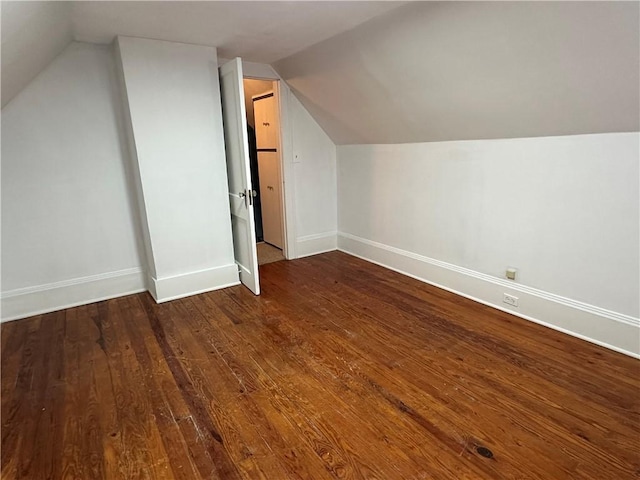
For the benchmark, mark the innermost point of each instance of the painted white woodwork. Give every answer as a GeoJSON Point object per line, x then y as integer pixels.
{"type": "Point", "coordinates": [317, 243]}
{"type": "Point", "coordinates": [239, 173]}
{"type": "Point", "coordinates": [271, 197]}
{"type": "Point", "coordinates": [39, 299]}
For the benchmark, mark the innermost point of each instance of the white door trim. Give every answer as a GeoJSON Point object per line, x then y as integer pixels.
{"type": "Point", "coordinates": [282, 92]}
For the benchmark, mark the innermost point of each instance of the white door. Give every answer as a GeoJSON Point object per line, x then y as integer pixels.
{"type": "Point", "coordinates": [238, 173]}
{"type": "Point", "coordinates": [271, 197]}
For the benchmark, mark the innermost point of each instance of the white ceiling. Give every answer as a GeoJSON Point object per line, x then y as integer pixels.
{"type": "Point", "coordinates": [370, 72]}
{"type": "Point", "coordinates": [434, 71]}
{"type": "Point", "coordinates": [256, 31]}
{"type": "Point", "coordinates": [33, 33]}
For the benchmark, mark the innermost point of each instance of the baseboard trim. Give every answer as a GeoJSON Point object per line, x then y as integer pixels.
{"type": "Point", "coordinates": [179, 286]}
{"type": "Point", "coordinates": [26, 302]}
{"type": "Point", "coordinates": [613, 330]}
{"type": "Point", "coordinates": [316, 244]}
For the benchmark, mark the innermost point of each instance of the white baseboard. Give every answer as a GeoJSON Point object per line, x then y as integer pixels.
{"type": "Point", "coordinates": [603, 327]}
{"type": "Point", "coordinates": [315, 244]}
{"type": "Point", "coordinates": [192, 283]}
{"type": "Point", "coordinates": [26, 302]}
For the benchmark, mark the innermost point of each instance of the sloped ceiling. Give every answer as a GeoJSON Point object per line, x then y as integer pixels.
{"type": "Point", "coordinates": [256, 31]}
{"type": "Point", "coordinates": [431, 71]}
{"type": "Point", "coordinates": [386, 72]}
{"type": "Point", "coordinates": [33, 33]}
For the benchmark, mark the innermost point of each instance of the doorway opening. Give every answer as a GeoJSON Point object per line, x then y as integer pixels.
{"type": "Point", "coordinates": [265, 160]}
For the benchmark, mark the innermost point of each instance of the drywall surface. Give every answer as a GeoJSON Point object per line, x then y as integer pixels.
{"type": "Point", "coordinates": [135, 183]}
{"type": "Point", "coordinates": [174, 104]}
{"type": "Point", "coordinates": [433, 71]}
{"type": "Point", "coordinates": [33, 33]}
{"type": "Point", "coordinates": [257, 31]}
{"type": "Point", "coordinates": [314, 160]}
{"type": "Point", "coordinates": [66, 209]}
{"type": "Point", "coordinates": [564, 210]}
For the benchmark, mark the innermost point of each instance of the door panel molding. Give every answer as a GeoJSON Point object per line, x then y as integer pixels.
{"type": "Point", "coordinates": [238, 173]}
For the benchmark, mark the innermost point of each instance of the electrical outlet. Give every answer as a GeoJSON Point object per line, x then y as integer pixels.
{"type": "Point", "coordinates": [510, 300]}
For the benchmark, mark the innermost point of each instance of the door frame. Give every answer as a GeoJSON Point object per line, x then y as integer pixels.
{"type": "Point", "coordinates": [282, 93]}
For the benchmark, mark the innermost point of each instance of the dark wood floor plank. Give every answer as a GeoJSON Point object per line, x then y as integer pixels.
{"type": "Point", "coordinates": [340, 369]}
{"type": "Point", "coordinates": [16, 384]}
{"type": "Point", "coordinates": [44, 396]}
{"type": "Point", "coordinates": [279, 364]}
{"type": "Point", "coordinates": [479, 340]}
{"type": "Point", "coordinates": [245, 390]}
{"type": "Point", "coordinates": [175, 354]}
{"type": "Point", "coordinates": [187, 456]}
{"type": "Point", "coordinates": [220, 388]}
{"type": "Point", "coordinates": [276, 374]}
{"type": "Point", "coordinates": [323, 374]}
{"type": "Point", "coordinates": [77, 370]}
{"type": "Point", "coordinates": [130, 441]}
{"type": "Point", "coordinates": [570, 393]}
{"type": "Point", "coordinates": [455, 439]}
{"type": "Point", "coordinates": [565, 349]}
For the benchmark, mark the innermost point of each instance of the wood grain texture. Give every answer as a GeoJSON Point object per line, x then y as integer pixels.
{"type": "Point", "coordinates": [340, 369]}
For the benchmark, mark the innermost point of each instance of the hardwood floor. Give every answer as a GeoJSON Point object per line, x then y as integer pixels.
{"type": "Point", "coordinates": [341, 369]}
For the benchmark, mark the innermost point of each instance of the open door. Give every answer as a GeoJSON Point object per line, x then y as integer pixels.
{"type": "Point", "coordinates": [238, 173]}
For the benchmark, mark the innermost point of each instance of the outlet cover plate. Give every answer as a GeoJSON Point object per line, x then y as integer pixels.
{"type": "Point", "coordinates": [510, 300]}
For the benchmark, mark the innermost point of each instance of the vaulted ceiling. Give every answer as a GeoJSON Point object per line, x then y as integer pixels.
{"type": "Point", "coordinates": [386, 72]}
{"type": "Point", "coordinates": [431, 71]}
{"type": "Point", "coordinates": [33, 33]}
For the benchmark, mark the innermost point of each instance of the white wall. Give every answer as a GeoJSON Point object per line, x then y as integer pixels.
{"type": "Point", "coordinates": [563, 210]}
{"type": "Point", "coordinates": [314, 160]}
{"type": "Point", "coordinates": [68, 223]}
{"type": "Point", "coordinates": [71, 228]}
{"type": "Point", "coordinates": [174, 104]}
